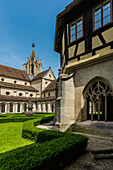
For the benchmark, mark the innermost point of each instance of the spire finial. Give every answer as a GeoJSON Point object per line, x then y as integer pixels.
{"type": "Point", "coordinates": [33, 45]}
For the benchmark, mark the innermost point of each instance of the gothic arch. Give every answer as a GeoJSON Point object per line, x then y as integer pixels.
{"type": "Point", "coordinates": [97, 78]}
{"type": "Point", "coordinates": [99, 95]}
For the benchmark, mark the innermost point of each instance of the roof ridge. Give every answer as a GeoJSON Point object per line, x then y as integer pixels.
{"type": "Point", "coordinates": [12, 68]}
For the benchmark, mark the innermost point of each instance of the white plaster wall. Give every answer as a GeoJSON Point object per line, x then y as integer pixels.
{"type": "Point", "coordinates": [11, 80]}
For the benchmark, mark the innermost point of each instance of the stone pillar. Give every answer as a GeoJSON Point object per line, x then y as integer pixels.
{"type": "Point", "coordinates": [22, 107]}
{"type": "Point", "coordinates": [44, 107]}
{"type": "Point", "coordinates": [8, 107]}
{"type": "Point", "coordinates": [39, 107]}
{"type": "Point", "coordinates": [0, 107]}
{"type": "Point", "coordinates": [49, 107]}
{"type": "Point", "coordinates": [5, 107]}
{"type": "Point", "coordinates": [27, 107]}
{"type": "Point", "coordinates": [15, 108]}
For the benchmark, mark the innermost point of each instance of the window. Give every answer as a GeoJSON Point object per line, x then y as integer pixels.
{"type": "Point", "coordinates": [25, 83]}
{"type": "Point", "coordinates": [31, 95]}
{"type": "Point", "coordinates": [7, 93]}
{"type": "Point", "coordinates": [44, 94]}
{"type": "Point", "coordinates": [15, 82]}
{"type": "Point", "coordinates": [20, 94]}
{"type": "Point", "coordinates": [102, 14]}
{"type": "Point", "coordinates": [48, 94]}
{"type": "Point", "coordinates": [76, 30]}
{"type": "Point", "coordinates": [2, 79]}
{"type": "Point", "coordinates": [46, 82]}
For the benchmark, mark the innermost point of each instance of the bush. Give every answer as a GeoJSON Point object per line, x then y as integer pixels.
{"type": "Point", "coordinates": [31, 132]}
{"type": "Point", "coordinates": [54, 151]}
{"type": "Point", "coordinates": [51, 155]}
{"type": "Point", "coordinates": [20, 117]}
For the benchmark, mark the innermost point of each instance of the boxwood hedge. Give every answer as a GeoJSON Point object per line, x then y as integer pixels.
{"type": "Point", "coordinates": [53, 151]}
{"type": "Point", "coordinates": [51, 155]}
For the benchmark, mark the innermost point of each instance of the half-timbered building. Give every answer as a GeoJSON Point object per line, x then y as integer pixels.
{"type": "Point", "coordinates": [84, 40]}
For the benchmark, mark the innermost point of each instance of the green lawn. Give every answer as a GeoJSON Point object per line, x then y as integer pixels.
{"type": "Point", "coordinates": [11, 136]}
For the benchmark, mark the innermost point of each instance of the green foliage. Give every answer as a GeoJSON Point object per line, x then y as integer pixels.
{"type": "Point", "coordinates": [53, 151]}
{"type": "Point", "coordinates": [50, 155]}
{"type": "Point", "coordinates": [20, 117]}
{"type": "Point", "coordinates": [31, 132]}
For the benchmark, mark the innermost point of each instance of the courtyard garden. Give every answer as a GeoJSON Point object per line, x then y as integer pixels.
{"type": "Point", "coordinates": [24, 146]}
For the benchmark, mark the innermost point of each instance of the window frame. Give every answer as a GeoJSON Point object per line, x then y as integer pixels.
{"type": "Point", "coordinates": [111, 15]}
{"type": "Point", "coordinates": [72, 23]}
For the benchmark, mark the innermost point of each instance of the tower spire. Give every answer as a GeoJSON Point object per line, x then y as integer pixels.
{"type": "Point", "coordinates": [33, 45]}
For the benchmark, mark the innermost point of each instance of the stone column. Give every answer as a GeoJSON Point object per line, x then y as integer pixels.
{"type": "Point", "coordinates": [39, 107]}
{"type": "Point", "coordinates": [49, 107]}
{"type": "Point", "coordinates": [8, 107]}
{"type": "Point", "coordinates": [0, 107]}
{"type": "Point", "coordinates": [44, 109]}
{"type": "Point", "coordinates": [22, 107]}
{"type": "Point", "coordinates": [27, 107]}
{"type": "Point", "coordinates": [15, 108]}
{"type": "Point", "coordinates": [5, 107]}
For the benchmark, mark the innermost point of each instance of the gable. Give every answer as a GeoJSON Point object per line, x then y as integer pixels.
{"type": "Point", "coordinates": [49, 75]}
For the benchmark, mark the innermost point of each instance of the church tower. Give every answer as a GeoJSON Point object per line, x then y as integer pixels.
{"type": "Point", "coordinates": [32, 67]}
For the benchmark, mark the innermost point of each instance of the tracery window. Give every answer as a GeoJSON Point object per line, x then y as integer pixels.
{"type": "Point", "coordinates": [97, 95]}
{"type": "Point", "coordinates": [102, 14]}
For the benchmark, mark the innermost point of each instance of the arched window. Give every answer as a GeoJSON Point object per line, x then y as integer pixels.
{"type": "Point", "coordinates": [98, 94]}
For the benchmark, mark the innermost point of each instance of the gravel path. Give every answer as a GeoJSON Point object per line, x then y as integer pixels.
{"type": "Point", "coordinates": [87, 161]}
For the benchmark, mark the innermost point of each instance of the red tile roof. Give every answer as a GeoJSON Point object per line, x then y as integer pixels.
{"type": "Point", "coordinates": [51, 86]}
{"type": "Point", "coordinates": [17, 86]}
{"type": "Point", "coordinates": [13, 73]}
{"type": "Point", "coordinates": [40, 75]}
{"type": "Point", "coordinates": [26, 99]}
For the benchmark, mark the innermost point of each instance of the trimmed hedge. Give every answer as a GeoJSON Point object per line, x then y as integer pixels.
{"type": "Point", "coordinates": [29, 130]}
{"type": "Point", "coordinates": [57, 150]}
{"type": "Point", "coordinates": [20, 117]}
{"type": "Point", "coordinates": [52, 155]}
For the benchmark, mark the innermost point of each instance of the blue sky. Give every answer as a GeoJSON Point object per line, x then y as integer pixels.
{"type": "Point", "coordinates": [21, 21]}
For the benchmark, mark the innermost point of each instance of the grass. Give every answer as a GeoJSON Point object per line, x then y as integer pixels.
{"type": "Point", "coordinates": [11, 132]}
{"type": "Point", "coordinates": [11, 136]}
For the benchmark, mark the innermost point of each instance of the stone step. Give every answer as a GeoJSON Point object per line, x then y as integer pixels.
{"type": "Point", "coordinates": [102, 151]}
{"type": "Point", "coordinates": [103, 156]}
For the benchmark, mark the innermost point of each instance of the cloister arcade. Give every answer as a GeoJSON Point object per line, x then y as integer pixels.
{"type": "Point", "coordinates": [20, 107]}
